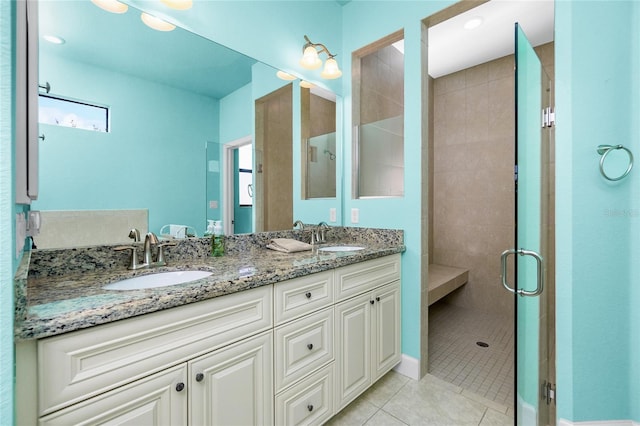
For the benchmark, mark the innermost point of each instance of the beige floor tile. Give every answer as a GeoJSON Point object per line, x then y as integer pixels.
{"type": "Point", "coordinates": [494, 418]}
{"type": "Point", "coordinates": [486, 402]}
{"type": "Point", "coordinates": [355, 414]}
{"type": "Point", "coordinates": [381, 418]}
{"type": "Point", "coordinates": [385, 388]}
{"type": "Point", "coordinates": [436, 381]}
{"type": "Point", "coordinates": [428, 403]}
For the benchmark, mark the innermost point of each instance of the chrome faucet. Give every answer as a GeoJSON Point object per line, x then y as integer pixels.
{"type": "Point", "coordinates": [319, 235]}
{"type": "Point", "coordinates": [150, 240]}
{"type": "Point", "coordinates": [298, 222]}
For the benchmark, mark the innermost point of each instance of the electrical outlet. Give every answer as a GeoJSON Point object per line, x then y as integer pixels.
{"type": "Point", "coordinates": [355, 215]}
{"type": "Point", "coordinates": [332, 214]}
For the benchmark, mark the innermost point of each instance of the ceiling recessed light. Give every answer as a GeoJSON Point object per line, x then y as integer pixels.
{"type": "Point", "coordinates": [179, 4]}
{"type": "Point", "coordinates": [156, 23]}
{"type": "Point", "coordinates": [113, 6]}
{"type": "Point", "coordinates": [285, 76]}
{"type": "Point", "coordinates": [53, 39]}
{"type": "Point", "coordinates": [473, 23]}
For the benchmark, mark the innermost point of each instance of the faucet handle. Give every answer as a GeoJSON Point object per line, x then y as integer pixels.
{"type": "Point", "coordinates": [160, 258]}
{"type": "Point", "coordinates": [134, 234]}
{"type": "Point", "coordinates": [133, 262]}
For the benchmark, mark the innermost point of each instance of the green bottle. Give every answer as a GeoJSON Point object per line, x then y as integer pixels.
{"type": "Point", "coordinates": [217, 239]}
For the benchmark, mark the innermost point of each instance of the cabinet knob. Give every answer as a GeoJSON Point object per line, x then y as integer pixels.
{"type": "Point", "coordinates": [180, 387]}
{"type": "Point", "coordinates": [308, 295]}
{"type": "Point", "coordinates": [310, 407]}
{"type": "Point", "coordinates": [310, 346]}
{"type": "Point", "coordinates": [199, 377]}
{"type": "Point", "coordinates": [378, 299]}
{"type": "Point", "coordinates": [372, 301]}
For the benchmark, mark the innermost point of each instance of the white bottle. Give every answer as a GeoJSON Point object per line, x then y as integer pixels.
{"type": "Point", "coordinates": [210, 227]}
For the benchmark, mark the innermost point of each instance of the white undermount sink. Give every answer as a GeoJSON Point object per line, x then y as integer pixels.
{"type": "Point", "coordinates": [341, 248]}
{"type": "Point", "coordinates": [161, 279]}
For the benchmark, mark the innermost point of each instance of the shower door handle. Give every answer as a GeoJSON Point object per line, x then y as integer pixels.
{"type": "Point", "coordinates": [540, 269]}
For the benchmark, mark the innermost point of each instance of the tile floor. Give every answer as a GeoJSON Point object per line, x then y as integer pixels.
{"type": "Point", "coordinates": [455, 357]}
{"type": "Point", "coordinates": [467, 384]}
{"type": "Point", "coordinates": [398, 400]}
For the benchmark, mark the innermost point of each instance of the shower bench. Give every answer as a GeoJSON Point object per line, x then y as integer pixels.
{"type": "Point", "coordinates": [445, 279]}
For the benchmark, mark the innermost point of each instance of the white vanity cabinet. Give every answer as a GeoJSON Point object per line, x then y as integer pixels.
{"type": "Point", "coordinates": [292, 353]}
{"type": "Point", "coordinates": [367, 326]}
{"type": "Point", "coordinates": [130, 360]}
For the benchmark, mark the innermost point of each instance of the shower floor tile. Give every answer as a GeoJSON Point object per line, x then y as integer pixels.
{"type": "Point", "coordinates": [455, 356]}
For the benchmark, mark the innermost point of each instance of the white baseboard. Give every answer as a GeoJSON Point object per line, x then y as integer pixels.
{"type": "Point", "coordinates": [564, 422]}
{"type": "Point", "coordinates": [409, 367]}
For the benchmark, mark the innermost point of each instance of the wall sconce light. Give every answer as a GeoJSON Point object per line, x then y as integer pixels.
{"type": "Point", "coordinates": [113, 6]}
{"type": "Point", "coordinates": [311, 59]}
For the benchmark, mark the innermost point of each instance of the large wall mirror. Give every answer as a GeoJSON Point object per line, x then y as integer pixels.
{"type": "Point", "coordinates": [174, 101]}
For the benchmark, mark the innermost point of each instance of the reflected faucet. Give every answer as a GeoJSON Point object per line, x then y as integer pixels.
{"type": "Point", "coordinates": [298, 222]}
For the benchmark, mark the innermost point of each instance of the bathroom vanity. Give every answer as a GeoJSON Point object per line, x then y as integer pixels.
{"type": "Point", "coordinates": [285, 339]}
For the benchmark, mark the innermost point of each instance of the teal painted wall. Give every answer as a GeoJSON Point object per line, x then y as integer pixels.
{"type": "Point", "coordinates": [363, 23]}
{"type": "Point", "coordinates": [8, 261]}
{"type": "Point", "coordinates": [154, 157]}
{"type": "Point", "coordinates": [597, 252]}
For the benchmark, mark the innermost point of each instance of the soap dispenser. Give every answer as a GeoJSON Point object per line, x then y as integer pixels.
{"type": "Point", "coordinates": [217, 240]}
{"type": "Point", "coordinates": [210, 227]}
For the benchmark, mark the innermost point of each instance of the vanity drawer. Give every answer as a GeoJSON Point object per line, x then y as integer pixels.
{"type": "Point", "coordinates": [360, 277]}
{"type": "Point", "coordinates": [303, 346]}
{"type": "Point", "coordinates": [309, 402]}
{"type": "Point", "coordinates": [81, 364]}
{"type": "Point", "coordinates": [301, 296]}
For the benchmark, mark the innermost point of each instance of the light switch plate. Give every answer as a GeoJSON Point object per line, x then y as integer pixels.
{"type": "Point", "coordinates": [332, 214]}
{"type": "Point", "coordinates": [355, 215]}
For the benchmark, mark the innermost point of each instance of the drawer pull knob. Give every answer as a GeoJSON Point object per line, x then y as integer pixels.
{"type": "Point", "coordinates": [378, 299]}
{"type": "Point", "coordinates": [180, 387]}
{"type": "Point", "coordinates": [199, 377]}
{"type": "Point", "coordinates": [310, 407]}
{"type": "Point", "coordinates": [372, 301]}
{"type": "Point", "coordinates": [310, 346]}
{"type": "Point", "coordinates": [308, 295]}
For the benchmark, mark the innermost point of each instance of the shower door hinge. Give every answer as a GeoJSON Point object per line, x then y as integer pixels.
{"type": "Point", "coordinates": [548, 392]}
{"type": "Point", "coordinates": [548, 117]}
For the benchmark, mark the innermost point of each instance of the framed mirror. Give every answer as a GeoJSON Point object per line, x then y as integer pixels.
{"type": "Point", "coordinates": [172, 104]}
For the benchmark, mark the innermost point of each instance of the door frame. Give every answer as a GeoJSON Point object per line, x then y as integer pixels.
{"type": "Point", "coordinates": [228, 181]}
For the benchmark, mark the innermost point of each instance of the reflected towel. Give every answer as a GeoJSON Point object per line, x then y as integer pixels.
{"type": "Point", "coordinates": [288, 245]}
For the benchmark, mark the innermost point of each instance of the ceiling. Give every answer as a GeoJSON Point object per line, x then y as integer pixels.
{"type": "Point", "coordinates": [122, 42]}
{"type": "Point", "coordinates": [493, 39]}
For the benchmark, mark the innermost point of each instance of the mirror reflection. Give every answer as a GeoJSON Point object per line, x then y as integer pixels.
{"type": "Point", "coordinates": [318, 130]}
{"type": "Point", "coordinates": [174, 100]}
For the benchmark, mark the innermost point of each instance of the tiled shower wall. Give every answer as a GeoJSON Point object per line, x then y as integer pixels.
{"type": "Point", "coordinates": [472, 175]}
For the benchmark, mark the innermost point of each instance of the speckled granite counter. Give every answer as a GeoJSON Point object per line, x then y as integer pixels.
{"type": "Point", "coordinates": [58, 291]}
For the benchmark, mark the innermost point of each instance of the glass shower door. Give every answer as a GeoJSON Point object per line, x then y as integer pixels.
{"type": "Point", "coordinates": [532, 150]}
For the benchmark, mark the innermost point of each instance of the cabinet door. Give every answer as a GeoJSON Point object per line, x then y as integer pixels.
{"type": "Point", "coordinates": [353, 348]}
{"type": "Point", "coordinates": [233, 385]}
{"type": "Point", "coordinates": [386, 329]}
{"type": "Point", "coordinates": [160, 399]}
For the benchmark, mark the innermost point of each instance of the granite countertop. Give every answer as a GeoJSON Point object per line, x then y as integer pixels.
{"type": "Point", "coordinates": [51, 300]}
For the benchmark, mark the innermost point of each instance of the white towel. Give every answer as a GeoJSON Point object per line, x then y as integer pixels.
{"type": "Point", "coordinates": [288, 245]}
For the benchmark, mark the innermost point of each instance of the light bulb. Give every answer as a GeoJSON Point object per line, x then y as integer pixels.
{"type": "Point", "coordinates": [156, 23]}
{"type": "Point", "coordinates": [113, 6]}
{"type": "Point", "coordinates": [179, 4]}
{"type": "Point", "coordinates": [310, 59]}
{"type": "Point", "coordinates": [331, 69]}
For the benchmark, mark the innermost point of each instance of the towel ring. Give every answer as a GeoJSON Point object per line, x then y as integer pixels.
{"type": "Point", "coordinates": [604, 150]}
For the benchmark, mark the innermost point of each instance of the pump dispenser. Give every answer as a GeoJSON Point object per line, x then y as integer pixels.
{"type": "Point", "coordinates": [210, 227]}
{"type": "Point", "coordinates": [217, 240]}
